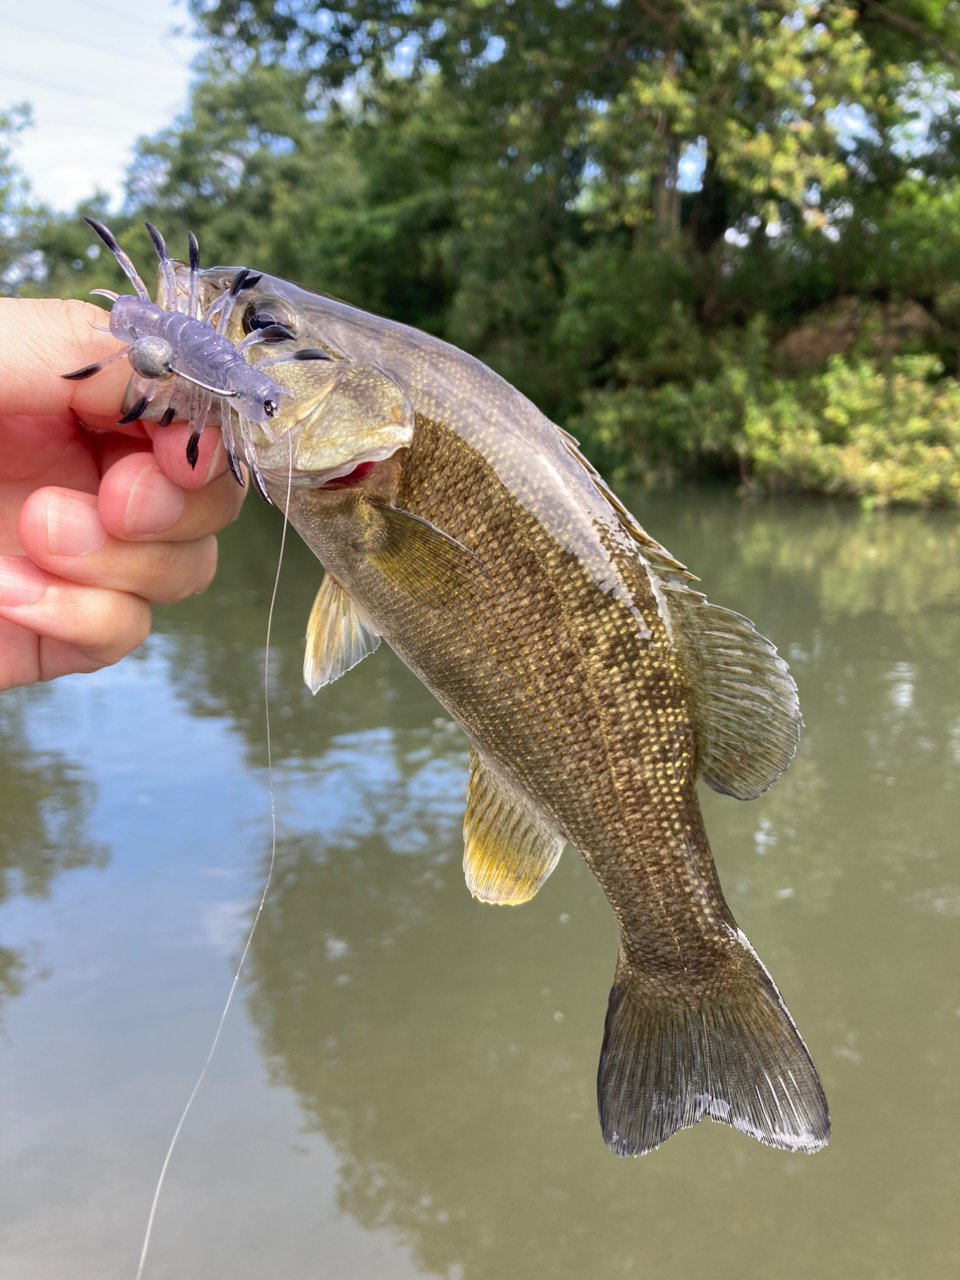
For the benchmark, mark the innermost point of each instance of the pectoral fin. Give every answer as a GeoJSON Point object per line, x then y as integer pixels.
{"type": "Point", "coordinates": [508, 849]}
{"type": "Point", "coordinates": [339, 635]}
{"type": "Point", "coordinates": [423, 561]}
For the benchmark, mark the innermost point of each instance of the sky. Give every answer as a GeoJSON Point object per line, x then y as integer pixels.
{"type": "Point", "coordinates": [98, 75]}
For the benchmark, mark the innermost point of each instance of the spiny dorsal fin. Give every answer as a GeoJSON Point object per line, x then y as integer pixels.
{"type": "Point", "coordinates": [746, 712]}
{"type": "Point", "coordinates": [423, 561]}
{"type": "Point", "coordinates": [508, 849]}
{"type": "Point", "coordinates": [339, 635]}
{"type": "Point", "coordinates": [744, 702]}
{"type": "Point", "coordinates": [658, 557]}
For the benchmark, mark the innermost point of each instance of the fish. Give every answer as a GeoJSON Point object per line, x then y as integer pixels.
{"type": "Point", "coordinates": [594, 683]}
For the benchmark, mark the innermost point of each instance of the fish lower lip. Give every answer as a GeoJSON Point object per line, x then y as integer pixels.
{"type": "Point", "coordinates": [322, 480]}
{"type": "Point", "coordinates": [352, 477]}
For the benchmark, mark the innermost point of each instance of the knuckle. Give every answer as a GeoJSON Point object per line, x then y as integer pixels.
{"type": "Point", "coordinates": [121, 625]}
{"type": "Point", "coordinates": [186, 570]}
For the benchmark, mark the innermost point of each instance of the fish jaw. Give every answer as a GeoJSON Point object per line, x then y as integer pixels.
{"type": "Point", "coordinates": [341, 417]}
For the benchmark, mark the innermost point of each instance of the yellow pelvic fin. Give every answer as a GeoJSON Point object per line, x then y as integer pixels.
{"type": "Point", "coordinates": [423, 561]}
{"type": "Point", "coordinates": [339, 635]}
{"type": "Point", "coordinates": [508, 848]}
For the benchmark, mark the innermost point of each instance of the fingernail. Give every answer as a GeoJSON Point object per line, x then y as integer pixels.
{"type": "Point", "coordinates": [73, 526]}
{"type": "Point", "coordinates": [21, 582]}
{"type": "Point", "coordinates": [154, 504]}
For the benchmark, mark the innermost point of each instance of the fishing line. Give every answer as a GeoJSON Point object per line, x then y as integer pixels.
{"type": "Point", "coordinates": [266, 883]}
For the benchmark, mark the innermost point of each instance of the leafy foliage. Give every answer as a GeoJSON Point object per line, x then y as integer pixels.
{"type": "Point", "coordinates": [662, 219]}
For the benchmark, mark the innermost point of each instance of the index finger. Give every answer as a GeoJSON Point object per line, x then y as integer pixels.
{"type": "Point", "coordinates": [43, 338]}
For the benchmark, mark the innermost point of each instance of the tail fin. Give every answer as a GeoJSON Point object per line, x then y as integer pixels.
{"type": "Point", "coordinates": [733, 1055]}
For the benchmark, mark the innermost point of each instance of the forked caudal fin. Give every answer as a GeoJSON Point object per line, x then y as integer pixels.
{"type": "Point", "coordinates": [734, 1056]}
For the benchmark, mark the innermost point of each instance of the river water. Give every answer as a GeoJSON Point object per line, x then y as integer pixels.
{"type": "Point", "coordinates": [405, 1084]}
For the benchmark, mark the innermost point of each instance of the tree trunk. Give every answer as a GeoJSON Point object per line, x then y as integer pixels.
{"type": "Point", "coordinates": [666, 197]}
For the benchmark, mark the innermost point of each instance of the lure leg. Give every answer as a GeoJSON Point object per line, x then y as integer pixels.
{"type": "Point", "coordinates": [194, 275]}
{"type": "Point", "coordinates": [89, 370]}
{"type": "Point", "coordinates": [230, 443]}
{"type": "Point", "coordinates": [166, 268]}
{"type": "Point", "coordinates": [250, 457]}
{"type": "Point", "coordinates": [198, 419]}
{"type": "Point", "coordinates": [129, 270]}
{"type": "Point", "coordinates": [222, 309]}
{"type": "Point", "coordinates": [146, 388]}
{"type": "Point", "coordinates": [269, 334]}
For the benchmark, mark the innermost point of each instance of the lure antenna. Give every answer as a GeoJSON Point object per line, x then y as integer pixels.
{"type": "Point", "coordinates": [244, 279]}
{"type": "Point", "coordinates": [166, 267]}
{"type": "Point", "coordinates": [194, 273]}
{"type": "Point", "coordinates": [129, 270]}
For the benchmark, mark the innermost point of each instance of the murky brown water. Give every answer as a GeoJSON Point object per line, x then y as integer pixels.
{"type": "Point", "coordinates": [405, 1085]}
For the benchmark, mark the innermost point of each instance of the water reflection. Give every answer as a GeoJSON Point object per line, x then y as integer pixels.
{"type": "Point", "coordinates": [440, 1053]}
{"type": "Point", "coordinates": [45, 802]}
{"type": "Point", "coordinates": [448, 1050]}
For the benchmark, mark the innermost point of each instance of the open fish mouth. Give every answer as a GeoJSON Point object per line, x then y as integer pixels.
{"type": "Point", "coordinates": [338, 476]}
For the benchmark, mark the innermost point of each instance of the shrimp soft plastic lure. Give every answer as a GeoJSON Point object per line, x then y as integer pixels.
{"type": "Point", "coordinates": [173, 342]}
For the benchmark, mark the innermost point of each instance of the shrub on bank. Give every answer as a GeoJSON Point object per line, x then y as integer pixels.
{"type": "Point", "coordinates": [881, 431]}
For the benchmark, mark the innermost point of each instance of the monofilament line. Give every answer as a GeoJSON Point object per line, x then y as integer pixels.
{"type": "Point", "coordinates": [266, 884]}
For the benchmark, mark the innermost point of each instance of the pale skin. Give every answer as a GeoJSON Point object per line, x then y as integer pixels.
{"type": "Point", "coordinates": [97, 521]}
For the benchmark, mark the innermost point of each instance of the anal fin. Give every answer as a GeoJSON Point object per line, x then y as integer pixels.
{"type": "Point", "coordinates": [339, 635]}
{"type": "Point", "coordinates": [508, 848]}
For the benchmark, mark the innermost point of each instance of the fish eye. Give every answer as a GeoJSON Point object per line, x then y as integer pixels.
{"type": "Point", "coordinates": [263, 313]}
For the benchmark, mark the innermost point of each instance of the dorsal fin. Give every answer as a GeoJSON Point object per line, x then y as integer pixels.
{"type": "Point", "coordinates": [745, 707]}
{"type": "Point", "coordinates": [656, 556]}
{"type": "Point", "coordinates": [508, 849]}
{"type": "Point", "coordinates": [744, 702]}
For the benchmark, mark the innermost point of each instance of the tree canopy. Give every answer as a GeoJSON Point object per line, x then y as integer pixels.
{"type": "Point", "coordinates": [704, 235]}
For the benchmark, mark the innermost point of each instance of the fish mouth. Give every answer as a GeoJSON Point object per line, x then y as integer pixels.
{"type": "Point", "coordinates": [340, 476]}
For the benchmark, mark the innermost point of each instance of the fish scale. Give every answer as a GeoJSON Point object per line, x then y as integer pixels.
{"type": "Point", "coordinates": [594, 683]}
{"type": "Point", "coordinates": [612, 730]}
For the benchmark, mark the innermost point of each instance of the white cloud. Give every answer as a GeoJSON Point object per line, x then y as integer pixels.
{"type": "Point", "coordinates": [98, 74]}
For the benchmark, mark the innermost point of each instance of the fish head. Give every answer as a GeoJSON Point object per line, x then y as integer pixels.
{"type": "Point", "coordinates": [341, 413]}
{"type": "Point", "coordinates": [340, 417]}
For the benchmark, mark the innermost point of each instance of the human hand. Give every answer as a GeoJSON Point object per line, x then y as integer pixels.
{"type": "Point", "coordinates": [96, 520]}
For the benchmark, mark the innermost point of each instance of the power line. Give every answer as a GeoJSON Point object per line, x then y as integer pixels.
{"type": "Point", "coordinates": [116, 13]}
{"type": "Point", "coordinates": [67, 89]}
{"type": "Point", "coordinates": [100, 48]}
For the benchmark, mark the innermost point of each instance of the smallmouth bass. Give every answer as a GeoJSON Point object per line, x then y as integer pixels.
{"type": "Point", "coordinates": [595, 685]}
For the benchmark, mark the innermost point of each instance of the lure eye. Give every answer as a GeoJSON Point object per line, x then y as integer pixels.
{"type": "Point", "coordinates": [266, 313]}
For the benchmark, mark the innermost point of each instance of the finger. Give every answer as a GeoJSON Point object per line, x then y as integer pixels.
{"type": "Point", "coordinates": [26, 657]}
{"type": "Point", "coordinates": [110, 446]}
{"type": "Point", "coordinates": [61, 531]}
{"type": "Point", "coordinates": [102, 625]}
{"type": "Point", "coordinates": [170, 447]}
{"type": "Point", "coordinates": [40, 340]}
{"type": "Point", "coordinates": [47, 449]}
{"type": "Point", "coordinates": [138, 502]}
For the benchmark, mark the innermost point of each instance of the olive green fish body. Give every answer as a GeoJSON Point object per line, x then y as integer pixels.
{"type": "Point", "coordinates": [594, 684]}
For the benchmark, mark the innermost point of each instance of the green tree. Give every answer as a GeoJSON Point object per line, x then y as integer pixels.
{"type": "Point", "coordinates": [659, 218]}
